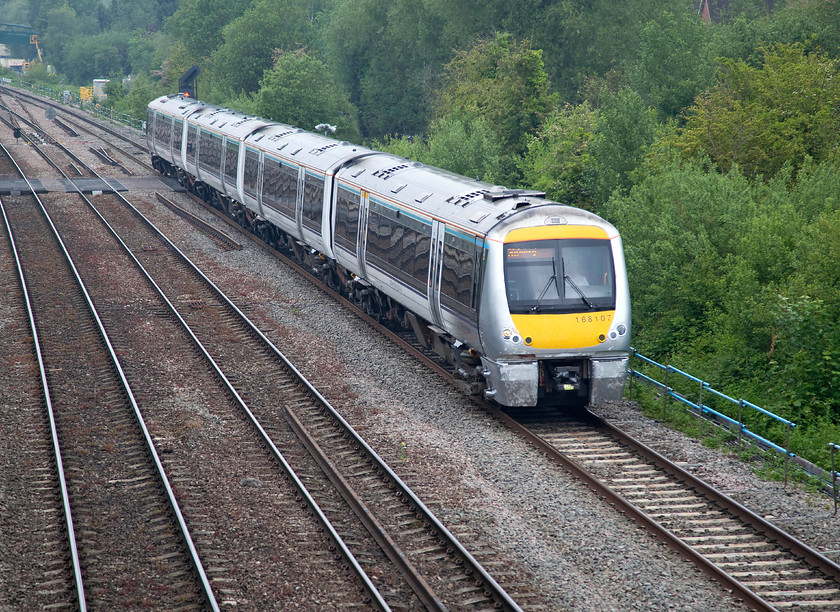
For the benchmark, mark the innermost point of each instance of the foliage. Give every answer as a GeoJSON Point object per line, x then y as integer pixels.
{"type": "Point", "coordinates": [678, 254]}
{"type": "Point", "coordinates": [559, 159]}
{"type": "Point", "coordinates": [625, 130]}
{"type": "Point", "coordinates": [466, 146]}
{"type": "Point", "coordinates": [251, 40]}
{"type": "Point", "coordinates": [298, 91]}
{"type": "Point", "coordinates": [738, 280]}
{"type": "Point", "coordinates": [806, 359]}
{"type": "Point", "coordinates": [761, 119]}
{"type": "Point", "coordinates": [100, 56]}
{"type": "Point", "coordinates": [388, 56]}
{"type": "Point", "coordinates": [673, 65]}
{"type": "Point", "coordinates": [16, 11]}
{"type": "Point", "coordinates": [503, 82]}
{"type": "Point", "coordinates": [197, 24]}
{"type": "Point", "coordinates": [147, 51]}
{"type": "Point", "coordinates": [134, 100]}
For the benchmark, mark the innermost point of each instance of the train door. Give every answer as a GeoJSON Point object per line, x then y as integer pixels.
{"type": "Point", "coordinates": [301, 184]}
{"type": "Point", "coordinates": [435, 271]}
{"type": "Point", "coordinates": [361, 242]}
{"type": "Point", "coordinates": [260, 176]}
{"type": "Point", "coordinates": [171, 144]}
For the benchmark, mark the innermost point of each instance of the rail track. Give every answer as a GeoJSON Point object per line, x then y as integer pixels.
{"type": "Point", "coordinates": [767, 568]}
{"type": "Point", "coordinates": [116, 558]}
{"type": "Point", "coordinates": [762, 564]}
{"type": "Point", "coordinates": [415, 560]}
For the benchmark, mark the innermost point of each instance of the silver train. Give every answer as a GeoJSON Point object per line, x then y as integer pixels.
{"type": "Point", "coordinates": [526, 298]}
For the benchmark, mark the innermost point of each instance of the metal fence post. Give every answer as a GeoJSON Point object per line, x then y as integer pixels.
{"type": "Point", "coordinates": [787, 453]}
{"type": "Point", "coordinates": [833, 447]}
{"type": "Point", "coordinates": [740, 422]}
{"type": "Point", "coordinates": [665, 397]}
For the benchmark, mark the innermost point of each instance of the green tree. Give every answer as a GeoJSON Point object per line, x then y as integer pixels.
{"type": "Point", "coordinates": [61, 27]}
{"type": "Point", "coordinates": [135, 101]}
{"type": "Point", "coordinates": [462, 145]}
{"type": "Point", "coordinates": [388, 56]}
{"type": "Point", "coordinates": [806, 360]}
{"type": "Point", "coordinates": [505, 84]}
{"type": "Point", "coordinates": [197, 25]}
{"type": "Point", "coordinates": [582, 40]}
{"type": "Point", "coordinates": [673, 65]}
{"type": "Point", "coordinates": [682, 227]}
{"type": "Point", "coordinates": [559, 159]}
{"type": "Point", "coordinates": [99, 56]}
{"type": "Point", "coordinates": [625, 129]}
{"type": "Point", "coordinates": [251, 39]}
{"type": "Point", "coordinates": [147, 51]}
{"type": "Point", "coordinates": [299, 91]}
{"type": "Point", "coordinates": [16, 11]}
{"type": "Point", "coordinates": [762, 119]}
{"type": "Point", "coordinates": [815, 24]}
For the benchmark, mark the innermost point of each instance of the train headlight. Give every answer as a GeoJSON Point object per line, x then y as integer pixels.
{"type": "Point", "coordinates": [621, 329]}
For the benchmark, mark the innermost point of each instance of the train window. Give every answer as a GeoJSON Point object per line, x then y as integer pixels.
{"type": "Point", "coordinates": [231, 161]}
{"type": "Point", "coordinates": [279, 187]}
{"type": "Point", "coordinates": [347, 219]}
{"type": "Point", "coordinates": [399, 246]}
{"type": "Point", "coordinates": [210, 152]}
{"type": "Point", "coordinates": [458, 269]}
{"type": "Point", "coordinates": [163, 130]}
{"type": "Point", "coordinates": [192, 138]}
{"type": "Point", "coordinates": [252, 171]}
{"type": "Point", "coordinates": [559, 276]}
{"type": "Point", "coordinates": [313, 202]}
{"type": "Point", "coordinates": [177, 135]}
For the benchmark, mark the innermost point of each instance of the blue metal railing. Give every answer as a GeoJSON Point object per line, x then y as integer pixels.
{"type": "Point", "coordinates": [731, 423]}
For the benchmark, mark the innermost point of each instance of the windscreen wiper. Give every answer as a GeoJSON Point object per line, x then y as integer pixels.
{"type": "Point", "coordinates": [582, 295]}
{"type": "Point", "coordinates": [553, 277]}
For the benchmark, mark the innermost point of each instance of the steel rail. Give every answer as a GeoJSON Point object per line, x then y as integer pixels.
{"type": "Point", "coordinates": [199, 223]}
{"type": "Point", "coordinates": [420, 587]}
{"type": "Point", "coordinates": [623, 505]}
{"type": "Point", "coordinates": [784, 539]}
{"type": "Point", "coordinates": [299, 485]}
{"type": "Point", "coordinates": [478, 569]}
{"type": "Point", "coordinates": [65, 496]}
{"type": "Point", "coordinates": [173, 502]}
{"type": "Point", "coordinates": [503, 596]}
{"type": "Point", "coordinates": [64, 108]}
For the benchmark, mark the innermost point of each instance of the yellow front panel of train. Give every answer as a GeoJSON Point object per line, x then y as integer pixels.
{"type": "Point", "coordinates": [564, 331]}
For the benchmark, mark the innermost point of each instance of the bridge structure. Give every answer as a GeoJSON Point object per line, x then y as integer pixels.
{"type": "Point", "coordinates": [11, 34]}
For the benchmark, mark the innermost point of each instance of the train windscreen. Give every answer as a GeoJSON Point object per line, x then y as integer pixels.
{"type": "Point", "coordinates": [559, 275]}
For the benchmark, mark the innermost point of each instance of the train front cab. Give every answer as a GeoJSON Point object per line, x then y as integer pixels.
{"type": "Point", "coordinates": [567, 299]}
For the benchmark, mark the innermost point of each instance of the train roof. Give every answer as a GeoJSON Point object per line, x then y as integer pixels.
{"type": "Point", "coordinates": [307, 149]}
{"type": "Point", "coordinates": [474, 205]}
{"type": "Point", "coordinates": [228, 122]}
{"type": "Point", "coordinates": [176, 105]}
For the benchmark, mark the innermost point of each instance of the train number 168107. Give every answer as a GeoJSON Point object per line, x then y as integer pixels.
{"type": "Point", "coordinates": [593, 318]}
